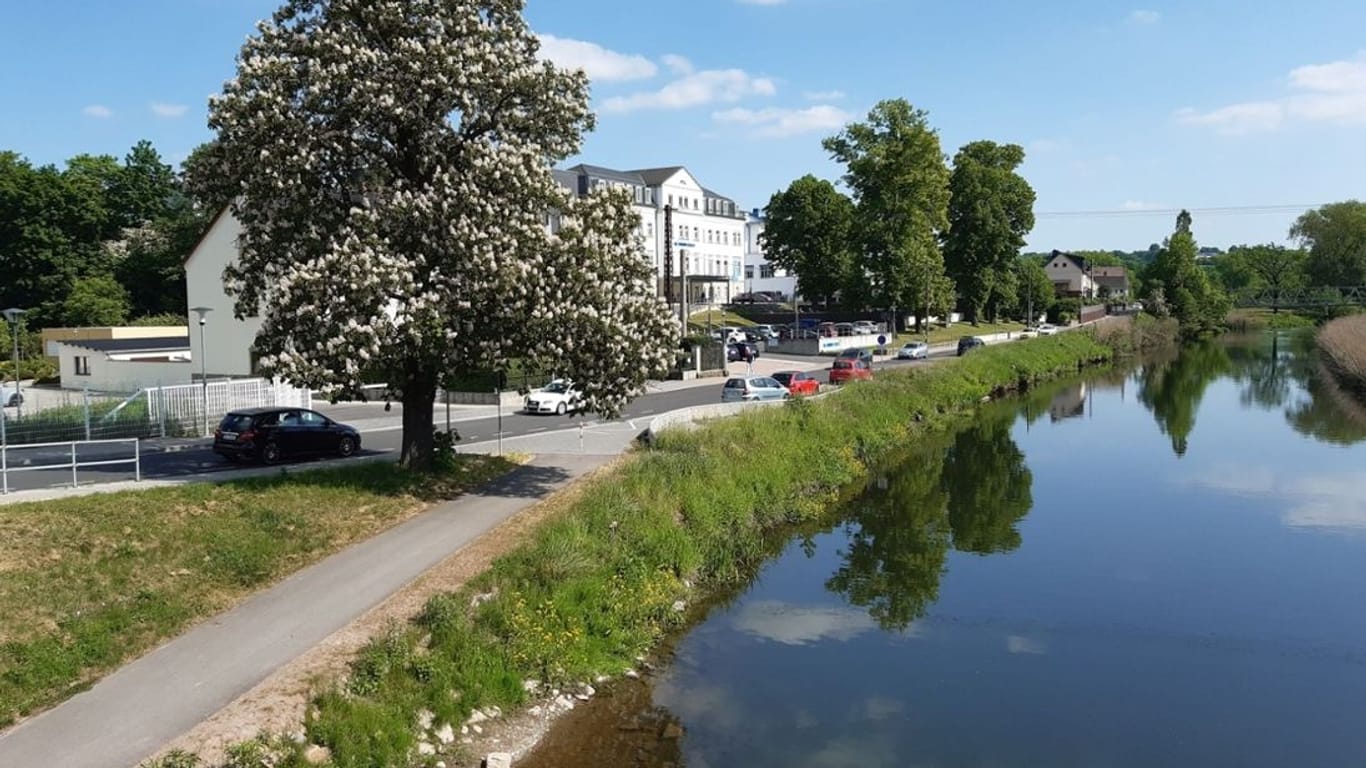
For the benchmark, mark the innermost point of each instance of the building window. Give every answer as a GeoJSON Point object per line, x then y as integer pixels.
{"type": "Point", "coordinates": [749, 271]}
{"type": "Point", "coordinates": [765, 270]}
{"type": "Point", "coordinates": [82, 365]}
{"type": "Point", "coordinates": [694, 203]}
{"type": "Point", "coordinates": [671, 199]}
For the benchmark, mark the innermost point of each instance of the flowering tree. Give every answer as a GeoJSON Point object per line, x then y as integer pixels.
{"type": "Point", "coordinates": [389, 161]}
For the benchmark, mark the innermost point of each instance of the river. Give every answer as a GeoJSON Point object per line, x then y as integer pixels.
{"type": "Point", "coordinates": [1164, 565]}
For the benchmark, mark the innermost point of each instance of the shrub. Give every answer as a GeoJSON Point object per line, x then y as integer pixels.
{"type": "Point", "coordinates": [1343, 342]}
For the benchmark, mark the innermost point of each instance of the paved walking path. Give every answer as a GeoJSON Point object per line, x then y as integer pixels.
{"type": "Point", "coordinates": [129, 715]}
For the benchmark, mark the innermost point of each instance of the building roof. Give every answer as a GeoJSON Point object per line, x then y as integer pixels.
{"type": "Point", "coordinates": [1115, 272]}
{"type": "Point", "coordinates": [567, 179]}
{"type": "Point", "coordinates": [653, 177]}
{"type": "Point", "coordinates": [629, 177]}
{"type": "Point", "coordinates": [154, 344]}
{"type": "Point", "coordinates": [1075, 259]}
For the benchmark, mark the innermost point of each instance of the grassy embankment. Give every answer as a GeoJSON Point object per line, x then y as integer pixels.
{"type": "Point", "coordinates": [1343, 343]}
{"type": "Point", "coordinates": [1248, 320]}
{"type": "Point", "coordinates": [596, 585]}
{"type": "Point", "coordinates": [90, 582]}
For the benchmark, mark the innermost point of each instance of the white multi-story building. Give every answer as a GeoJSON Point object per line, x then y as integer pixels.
{"type": "Point", "coordinates": [709, 229]}
{"type": "Point", "coordinates": [760, 274]}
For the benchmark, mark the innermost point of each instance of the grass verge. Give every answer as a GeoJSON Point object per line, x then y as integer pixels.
{"type": "Point", "coordinates": [89, 582]}
{"type": "Point", "coordinates": [1343, 343]}
{"type": "Point", "coordinates": [715, 318]}
{"type": "Point", "coordinates": [597, 585]}
{"type": "Point", "coordinates": [956, 331]}
{"type": "Point", "coordinates": [1247, 320]}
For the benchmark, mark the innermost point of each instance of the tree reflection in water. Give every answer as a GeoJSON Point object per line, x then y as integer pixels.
{"type": "Point", "coordinates": [968, 490]}
{"type": "Point", "coordinates": [1172, 388]}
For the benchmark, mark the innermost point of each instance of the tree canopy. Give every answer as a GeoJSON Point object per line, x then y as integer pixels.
{"type": "Point", "coordinates": [991, 210]}
{"type": "Point", "coordinates": [1335, 236]}
{"type": "Point", "coordinates": [390, 165]}
{"type": "Point", "coordinates": [1174, 282]}
{"type": "Point", "coordinates": [808, 229]}
{"type": "Point", "coordinates": [900, 184]}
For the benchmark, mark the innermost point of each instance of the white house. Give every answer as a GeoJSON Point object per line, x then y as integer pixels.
{"type": "Point", "coordinates": [709, 238]}
{"type": "Point", "coordinates": [123, 365]}
{"type": "Point", "coordinates": [760, 274]}
{"type": "Point", "coordinates": [1070, 274]}
{"type": "Point", "coordinates": [223, 343]}
{"type": "Point", "coordinates": [709, 243]}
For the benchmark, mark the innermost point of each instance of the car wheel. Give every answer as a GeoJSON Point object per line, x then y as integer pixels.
{"type": "Point", "coordinates": [270, 453]}
{"type": "Point", "coordinates": [346, 446]}
{"type": "Point", "coordinates": [560, 409]}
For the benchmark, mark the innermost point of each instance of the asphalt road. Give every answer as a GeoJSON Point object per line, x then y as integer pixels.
{"type": "Point", "coordinates": [198, 458]}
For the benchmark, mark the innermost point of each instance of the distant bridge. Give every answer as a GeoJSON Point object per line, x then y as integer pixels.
{"type": "Point", "coordinates": [1300, 298]}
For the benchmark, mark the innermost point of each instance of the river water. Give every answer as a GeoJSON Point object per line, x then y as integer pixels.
{"type": "Point", "coordinates": [1152, 567]}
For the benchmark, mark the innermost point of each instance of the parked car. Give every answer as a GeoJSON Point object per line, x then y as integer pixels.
{"type": "Point", "coordinates": [751, 388]}
{"type": "Point", "coordinates": [854, 353]}
{"type": "Point", "coordinates": [273, 434]}
{"type": "Point", "coordinates": [844, 370]}
{"type": "Point", "coordinates": [10, 396]}
{"type": "Point", "coordinates": [913, 350]}
{"type": "Point", "coordinates": [864, 329]}
{"type": "Point", "coordinates": [969, 343]}
{"type": "Point", "coordinates": [559, 397]}
{"type": "Point", "coordinates": [729, 334]}
{"type": "Point", "coordinates": [798, 382]}
{"type": "Point", "coordinates": [1047, 329]}
{"type": "Point", "coordinates": [766, 331]}
{"type": "Point", "coordinates": [736, 351]}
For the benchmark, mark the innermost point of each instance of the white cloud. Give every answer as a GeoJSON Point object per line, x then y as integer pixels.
{"type": "Point", "coordinates": [777, 123]}
{"type": "Point", "coordinates": [679, 65]}
{"type": "Point", "coordinates": [600, 63]}
{"type": "Point", "coordinates": [97, 110]}
{"type": "Point", "coordinates": [161, 109]}
{"type": "Point", "coordinates": [1144, 17]}
{"type": "Point", "coordinates": [1334, 501]}
{"type": "Point", "coordinates": [823, 95]}
{"type": "Point", "coordinates": [1320, 93]}
{"type": "Point", "coordinates": [695, 89]}
{"type": "Point", "coordinates": [798, 625]}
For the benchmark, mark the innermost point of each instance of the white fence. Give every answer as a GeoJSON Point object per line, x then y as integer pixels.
{"type": "Point", "coordinates": [196, 408]}
{"type": "Point", "coordinates": [25, 458]}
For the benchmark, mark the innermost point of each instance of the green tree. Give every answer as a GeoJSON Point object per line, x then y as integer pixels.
{"type": "Point", "coordinates": [991, 209]}
{"type": "Point", "coordinates": [95, 301]}
{"type": "Point", "coordinates": [895, 169]}
{"type": "Point", "coordinates": [808, 229]}
{"type": "Point", "coordinates": [1273, 267]}
{"type": "Point", "coordinates": [1335, 236]}
{"type": "Point", "coordinates": [1184, 287]}
{"type": "Point", "coordinates": [144, 188]}
{"type": "Point", "coordinates": [1034, 290]}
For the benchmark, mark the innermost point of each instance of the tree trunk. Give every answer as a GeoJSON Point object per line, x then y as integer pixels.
{"type": "Point", "coordinates": [419, 392]}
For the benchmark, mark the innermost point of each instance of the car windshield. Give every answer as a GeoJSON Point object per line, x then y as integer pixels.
{"type": "Point", "coordinates": [557, 387]}
{"type": "Point", "coordinates": [842, 364]}
{"type": "Point", "coordinates": [783, 378]}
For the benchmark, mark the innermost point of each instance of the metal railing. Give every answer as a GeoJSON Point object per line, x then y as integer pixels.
{"type": "Point", "coordinates": [75, 463]}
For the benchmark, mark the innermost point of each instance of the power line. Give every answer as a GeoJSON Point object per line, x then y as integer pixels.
{"type": "Point", "coordinates": [1230, 210]}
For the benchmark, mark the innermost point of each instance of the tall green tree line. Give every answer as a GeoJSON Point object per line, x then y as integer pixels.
{"type": "Point", "coordinates": [97, 242]}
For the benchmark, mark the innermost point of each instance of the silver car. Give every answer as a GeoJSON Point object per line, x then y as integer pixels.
{"type": "Point", "coordinates": [751, 388]}
{"type": "Point", "coordinates": [913, 350]}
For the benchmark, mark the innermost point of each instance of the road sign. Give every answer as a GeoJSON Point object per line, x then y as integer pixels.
{"type": "Point", "coordinates": [882, 341]}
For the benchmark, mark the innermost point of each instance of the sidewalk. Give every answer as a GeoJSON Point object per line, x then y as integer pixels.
{"type": "Point", "coordinates": [127, 716]}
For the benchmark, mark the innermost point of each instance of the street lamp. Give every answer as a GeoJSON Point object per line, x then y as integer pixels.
{"type": "Point", "coordinates": [12, 316]}
{"type": "Point", "coordinates": [202, 312]}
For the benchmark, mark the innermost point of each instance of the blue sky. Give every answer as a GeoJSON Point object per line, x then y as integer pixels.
{"type": "Point", "coordinates": [1133, 107]}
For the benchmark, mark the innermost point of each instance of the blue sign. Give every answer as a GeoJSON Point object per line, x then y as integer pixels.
{"type": "Point", "coordinates": [882, 341]}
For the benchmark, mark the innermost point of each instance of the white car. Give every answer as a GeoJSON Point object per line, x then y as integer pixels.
{"type": "Point", "coordinates": [751, 388]}
{"type": "Point", "coordinates": [10, 396]}
{"type": "Point", "coordinates": [559, 397]}
{"type": "Point", "coordinates": [913, 350]}
{"type": "Point", "coordinates": [1047, 329]}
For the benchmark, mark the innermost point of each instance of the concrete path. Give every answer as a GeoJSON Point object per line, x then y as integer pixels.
{"type": "Point", "coordinates": [129, 715]}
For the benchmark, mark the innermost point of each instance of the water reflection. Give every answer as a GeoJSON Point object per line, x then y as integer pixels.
{"type": "Point", "coordinates": [968, 490]}
{"type": "Point", "coordinates": [1172, 388]}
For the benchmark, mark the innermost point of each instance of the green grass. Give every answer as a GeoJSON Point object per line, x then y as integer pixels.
{"type": "Point", "coordinates": [698, 321]}
{"type": "Point", "coordinates": [939, 335]}
{"type": "Point", "coordinates": [1265, 319]}
{"type": "Point", "coordinates": [595, 584]}
{"type": "Point", "coordinates": [87, 583]}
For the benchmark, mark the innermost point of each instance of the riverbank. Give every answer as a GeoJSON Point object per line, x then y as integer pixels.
{"type": "Point", "coordinates": [599, 584]}
{"type": "Point", "coordinates": [1343, 344]}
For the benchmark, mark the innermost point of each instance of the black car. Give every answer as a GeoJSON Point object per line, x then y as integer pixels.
{"type": "Point", "coordinates": [273, 434]}
{"type": "Point", "coordinates": [736, 351]}
{"type": "Point", "coordinates": [969, 343]}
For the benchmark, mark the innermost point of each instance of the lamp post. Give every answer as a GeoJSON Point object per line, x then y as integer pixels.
{"type": "Point", "coordinates": [12, 316]}
{"type": "Point", "coordinates": [203, 312]}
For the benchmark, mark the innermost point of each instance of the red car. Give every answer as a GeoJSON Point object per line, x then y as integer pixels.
{"type": "Point", "coordinates": [798, 382]}
{"type": "Point", "coordinates": [848, 370]}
